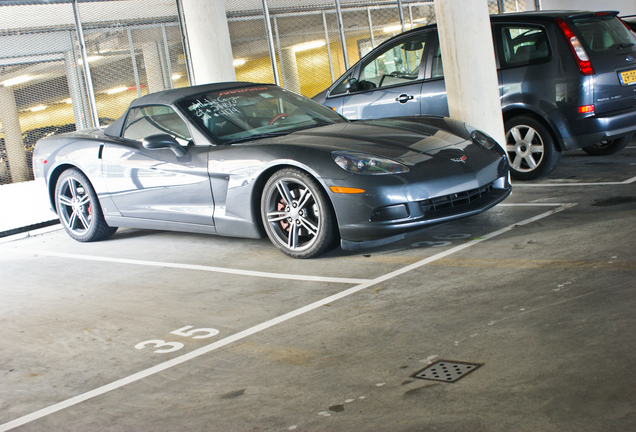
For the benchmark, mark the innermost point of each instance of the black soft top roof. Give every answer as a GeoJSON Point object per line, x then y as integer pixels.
{"type": "Point", "coordinates": [169, 97]}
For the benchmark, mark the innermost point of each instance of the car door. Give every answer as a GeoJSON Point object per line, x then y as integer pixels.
{"type": "Point", "coordinates": [158, 184]}
{"type": "Point", "coordinates": [389, 81]}
{"type": "Point", "coordinates": [434, 100]}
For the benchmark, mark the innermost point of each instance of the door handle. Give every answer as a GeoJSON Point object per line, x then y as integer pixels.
{"type": "Point", "coordinates": [403, 98]}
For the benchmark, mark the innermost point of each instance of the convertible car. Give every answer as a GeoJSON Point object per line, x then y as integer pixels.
{"type": "Point", "coordinates": [249, 160]}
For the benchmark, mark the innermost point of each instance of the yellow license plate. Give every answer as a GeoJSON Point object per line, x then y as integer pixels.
{"type": "Point", "coordinates": [628, 78]}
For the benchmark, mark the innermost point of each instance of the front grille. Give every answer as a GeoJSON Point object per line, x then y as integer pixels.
{"type": "Point", "coordinates": [455, 200]}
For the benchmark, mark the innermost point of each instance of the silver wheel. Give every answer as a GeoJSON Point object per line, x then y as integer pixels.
{"type": "Point", "coordinates": [78, 208]}
{"type": "Point", "coordinates": [525, 148]}
{"type": "Point", "coordinates": [75, 207]}
{"type": "Point", "coordinates": [296, 214]}
{"type": "Point", "coordinates": [530, 147]}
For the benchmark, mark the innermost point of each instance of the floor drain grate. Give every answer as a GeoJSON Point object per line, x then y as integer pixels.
{"type": "Point", "coordinates": [446, 370]}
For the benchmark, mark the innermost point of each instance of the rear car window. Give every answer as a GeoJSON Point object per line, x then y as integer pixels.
{"type": "Point", "coordinates": [524, 45]}
{"type": "Point", "coordinates": [604, 34]}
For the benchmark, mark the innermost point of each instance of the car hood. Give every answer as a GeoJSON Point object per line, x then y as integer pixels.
{"type": "Point", "coordinates": [400, 140]}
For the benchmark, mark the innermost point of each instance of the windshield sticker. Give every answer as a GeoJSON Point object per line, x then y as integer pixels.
{"type": "Point", "coordinates": [218, 107]}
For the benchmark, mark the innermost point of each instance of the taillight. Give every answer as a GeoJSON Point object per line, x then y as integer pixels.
{"type": "Point", "coordinates": [586, 109]}
{"type": "Point", "coordinates": [582, 60]}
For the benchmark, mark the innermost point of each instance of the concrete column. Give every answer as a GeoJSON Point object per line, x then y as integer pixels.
{"type": "Point", "coordinates": [154, 70]}
{"type": "Point", "coordinates": [470, 71]}
{"type": "Point", "coordinates": [209, 40]}
{"type": "Point", "coordinates": [288, 60]}
{"type": "Point", "coordinates": [80, 105]}
{"type": "Point", "coordinates": [13, 136]}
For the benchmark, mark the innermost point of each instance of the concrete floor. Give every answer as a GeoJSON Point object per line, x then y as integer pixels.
{"type": "Point", "coordinates": [540, 290]}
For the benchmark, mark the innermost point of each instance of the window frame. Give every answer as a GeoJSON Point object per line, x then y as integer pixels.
{"type": "Point", "coordinates": [174, 109]}
{"type": "Point", "coordinates": [498, 35]}
{"type": "Point", "coordinates": [356, 70]}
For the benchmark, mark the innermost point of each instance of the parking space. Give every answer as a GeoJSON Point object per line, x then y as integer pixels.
{"type": "Point", "coordinates": [162, 331]}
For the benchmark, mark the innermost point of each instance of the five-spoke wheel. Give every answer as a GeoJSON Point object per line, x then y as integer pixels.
{"type": "Point", "coordinates": [78, 208]}
{"type": "Point", "coordinates": [530, 148]}
{"type": "Point", "coordinates": [297, 214]}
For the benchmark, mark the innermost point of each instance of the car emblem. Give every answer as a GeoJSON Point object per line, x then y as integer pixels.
{"type": "Point", "coordinates": [629, 58]}
{"type": "Point", "coordinates": [460, 159]}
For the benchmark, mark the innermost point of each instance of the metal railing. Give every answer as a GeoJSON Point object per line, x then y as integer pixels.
{"type": "Point", "coordinates": [83, 62]}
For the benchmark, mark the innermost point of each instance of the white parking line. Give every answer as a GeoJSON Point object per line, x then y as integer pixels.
{"type": "Point", "coordinates": [628, 181]}
{"type": "Point", "coordinates": [263, 326]}
{"type": "Point", "coordinates": [306, 278]}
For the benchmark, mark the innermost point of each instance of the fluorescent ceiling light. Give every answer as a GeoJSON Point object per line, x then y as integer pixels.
{"type": "Point", "coordinates": [39, 108]}
{"type": "Point", "coordinates": [89, 59]}
{"type": "Point", "coordinates": [117, 90]}
{"type": "Point", "coordinates": [17, 80]}
{"type": "Point", "coordinates": [392, 29]}
{"type": "Point", "coordinates": [309, 45]}
{"type": "Point", "coordinates": [175, 77]}
{"type": "Point", "coordinates": [69, 101]}
{"type": "Point", "coordinates": [239, 62]}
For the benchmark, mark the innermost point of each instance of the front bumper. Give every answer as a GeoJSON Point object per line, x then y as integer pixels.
{"type": "Point", "coordinates": [421, 214]}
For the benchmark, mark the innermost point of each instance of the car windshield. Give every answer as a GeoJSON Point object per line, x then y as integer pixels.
{"type": "Point", "coordinates": [255, 112]}
{"type": "Point", "coordinates": [604, 34]}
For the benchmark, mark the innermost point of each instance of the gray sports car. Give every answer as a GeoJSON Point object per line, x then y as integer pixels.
{"type": "Point", "coordinates": [248, 160]}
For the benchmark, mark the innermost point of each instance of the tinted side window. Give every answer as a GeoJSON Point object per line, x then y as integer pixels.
{"type": "Point", "coordinates": [399, 63]}
{"type": "Point", "coordinates": [156, 119]}
{"type": "Point", "coordinates": [437, 71]}
{"type": "Point", "coordinates": [341, 87]}
{"type": "Point", "coordinates": [523, 45]}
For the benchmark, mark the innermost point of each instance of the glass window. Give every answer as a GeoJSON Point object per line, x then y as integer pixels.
{"type": "Point", "coordinates": [524, 45]}
{"type": "Point", "coordinates": [399, 63]}
{"type": "Point", "coordinates": [156, 119]}
{"type": "Point", "coordinates": [341, 88]}
{"type": "Point", "coordinates": [437, 71]}
{"type": "Point", "coordinates": [248, 113]}
{"type": "Point", "coordinates": [604, 34]}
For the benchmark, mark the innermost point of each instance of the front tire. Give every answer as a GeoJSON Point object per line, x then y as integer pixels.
{"type": "Point", "coordinates": [78, 208]}
{"type": "Point", "coordinates": [531, 149]}
{"type": "Point", "coordinates": [297, 214]}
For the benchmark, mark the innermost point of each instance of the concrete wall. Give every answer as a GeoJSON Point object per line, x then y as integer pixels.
{"type": "Point", "coordinates": [626, 7]}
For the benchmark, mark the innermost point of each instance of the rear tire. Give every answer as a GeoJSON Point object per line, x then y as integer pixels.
{"type": "Point", "coordinates": [531, 150]}
{"type": "Point", "coordinates": [78, 208]}
{"type": "Point", "coordinates": [608, 147]}
{"type": "Point", "coordinates": [297, 214]}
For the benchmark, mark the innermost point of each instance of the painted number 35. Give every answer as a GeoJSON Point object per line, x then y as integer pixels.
{"type": "Point", "coordinates": [174, 346]}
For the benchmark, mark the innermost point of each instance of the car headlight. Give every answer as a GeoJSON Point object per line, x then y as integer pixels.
{"type": "Point", "coordinates": [480, 137]}
{"type": "Point", "coordinates": [361, 163]}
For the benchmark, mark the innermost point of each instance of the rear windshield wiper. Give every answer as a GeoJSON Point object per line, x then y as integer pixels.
{"type": "Point", "coordinates": [257, 136]}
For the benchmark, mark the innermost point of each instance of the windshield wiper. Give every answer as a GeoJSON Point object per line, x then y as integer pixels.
{"type": "Point", "coordinates": [626, 45]}
{"type": "Point", "coordinates": [312, 126]}
{"type": "Point", "coordinates": [257, 136]}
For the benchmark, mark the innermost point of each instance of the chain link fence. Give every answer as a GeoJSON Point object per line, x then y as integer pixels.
{"type": "Point", "coordinates": [135, 47]}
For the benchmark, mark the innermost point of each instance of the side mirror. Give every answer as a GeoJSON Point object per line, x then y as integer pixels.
{"type": "Point", "coordinates": [351, 85]}
{"type": "Point", "coordinates": [162, 141]}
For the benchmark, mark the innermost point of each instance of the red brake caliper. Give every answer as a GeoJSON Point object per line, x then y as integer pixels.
{"type": "Point", "coordinates": [283, 224]}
